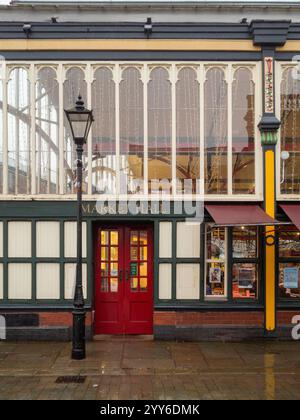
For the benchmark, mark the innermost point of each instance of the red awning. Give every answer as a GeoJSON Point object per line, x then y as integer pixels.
{"type": "Point", "coordinates": [293, 213]}
{"type": "Point", "coordinates": [239, 215]}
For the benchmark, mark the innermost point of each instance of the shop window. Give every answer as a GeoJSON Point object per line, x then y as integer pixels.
{"type": "Point", "coordinates": [165, 239]}
{"type": "Point", "coordinates": [188, 281]}
{"type": "Point", "coordinates": [19, 281]}
{"type": "Point", "coordinates": [216, 262]}
{"type": "Point", "coordinates": [47, 240]}
{"type": "Point", "coordinates": [1, 282]}
{"type": "Point", "coordinates": [19, 239]}
{"type": "Point", "coordinates": [245, 267]}
{"type": "Point", "coordinates": [1, 129]}
{"type": "Point", "coordinates": [165, 281]}
{"type": "Point", "coordinates": [290, 133]}
{"type": "Point", "coordinates": [47, 281]}
{"type": "Point", "coordinates": [1, 239]}
{"type": "Point", "coordinates": [289, 263]}
{"type": "Point", "coordinates": [70, 278]}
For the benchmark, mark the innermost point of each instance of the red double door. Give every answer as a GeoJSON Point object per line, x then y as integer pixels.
{"type": "Point", "coordinates": [124, 280]}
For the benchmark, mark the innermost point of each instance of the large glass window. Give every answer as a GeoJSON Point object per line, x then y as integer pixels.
{"type": "Point", "coordinates": [131, 132]}
{"type": "Point", "coordinates": [216, 132]}
{"type": "Point", "coordinates": [160, 130]}
{"type": "Point", "coordinates": [289, 263]}
{"type": "Point", "coordinates": [1, 128]}
{"type": "Point", "coordinates": [73, 86]}
{"type": "Point", "coordinates": [290, 134]}
{"type": "Point", "coordinates": [19, 149]}
{"type": "Point", "coordinates": [243, 132]}
{"type": "Point", "coordinates": [104, 166]}
{"type": "Point", "coordinates": [187, 131]}
{"type": "Point", "coordinates": [47, 133]}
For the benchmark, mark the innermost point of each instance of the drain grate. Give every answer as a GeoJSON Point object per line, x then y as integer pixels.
{"type": "Point", "coordinates": [70, 380]}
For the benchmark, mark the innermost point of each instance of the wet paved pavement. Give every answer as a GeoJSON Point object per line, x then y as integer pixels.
{"type": "Point", "coordinates": [130, 369]}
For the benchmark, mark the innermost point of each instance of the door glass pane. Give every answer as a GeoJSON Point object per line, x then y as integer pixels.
{"type": "Point", "coordinates": [104, 253]}
{"type": "Point", "coordinates": [143, 269]}
{"type": "Point", "coordinates": [114, 237]}
{"type": "Point", "coordinates": [104, 237]}
{"type": "Point", "coordinates": [114, 285]}
{"type": "Point", "coordinates": [143, 253]}
{"type": "Point", "coordinates": [114, 269]}
{"type": "Point", "coordinates": [134, 281]}
{"type": "Point", "coordinates": [114, 253]}
{"type": "Point", "coordinates": [143, 284]}
{"type": "Point", "coordinates": [104, 269]}
{"type": "Point", "coordinates": [104, 285]}
{"type": "Point", "coordinates": [215, 243]}
{"type": "Point", "coordinates": [143, 238]}
{"type": "Point", "coordinates": [134, 253]}
{"type": "Point", "coordinates": [134, 237]}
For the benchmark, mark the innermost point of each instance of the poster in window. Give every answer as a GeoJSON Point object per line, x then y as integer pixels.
{"type": "Point", "coordinates": [291, 276]}
{"type": "Point", "coordinates": [246, 278]}
{"type": "Point", "coordinates": [215, 275]}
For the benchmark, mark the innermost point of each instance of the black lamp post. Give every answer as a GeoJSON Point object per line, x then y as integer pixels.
{"type": "Point", "coordinates": [80, 120]}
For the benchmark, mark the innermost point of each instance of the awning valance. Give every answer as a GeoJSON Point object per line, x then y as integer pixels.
{"type": "Point", "coordinates": [293, 213]}
{"type": "Point", "coordinates": [239, 215]}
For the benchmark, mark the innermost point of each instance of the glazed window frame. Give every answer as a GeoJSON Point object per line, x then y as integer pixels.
{"type": "Point", "coordinates": [289, 301]}
{"type": "Point", "coordinates": [88, 71]}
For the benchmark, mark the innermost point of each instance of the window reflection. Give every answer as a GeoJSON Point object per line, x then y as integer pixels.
{"type": "Point", "coordinates": [215, 262]}
{"type": "Point", "coordinates": [244, 280]}
{"type": "Point", "coordinates": [245, 242]}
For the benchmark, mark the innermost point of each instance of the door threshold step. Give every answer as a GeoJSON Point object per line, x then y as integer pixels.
{"type": "Point", "coordinates": [109, 337]}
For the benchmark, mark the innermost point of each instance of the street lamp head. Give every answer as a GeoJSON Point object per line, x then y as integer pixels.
{"type": "Point", "coordinates": [80, 120]}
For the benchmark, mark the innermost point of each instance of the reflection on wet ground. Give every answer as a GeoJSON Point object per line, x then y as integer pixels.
{"type": "Point", "coordinates": [130, 369]}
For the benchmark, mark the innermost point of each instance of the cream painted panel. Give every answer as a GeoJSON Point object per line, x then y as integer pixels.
{"type": "Point", "coordinates": [48, 239]}
{"type": "Point", "coordinates": [188, 240]}
{"type": "Point", "coordinates": [19, 281]}
{"type": "Point", "coordinates": [70, 274]}
{"type": "Point", "coordinates": [1, 281]}
{"type": "Point", "coordinates": [47, 281]}
{"type": "Point", "coordinates": [165, 240]}
{"type": "Point", "coordinates": [71, 239]}
{"type": "Point", "coordinates": [165, 281]}
{"type": "Point", "coordinates": [1, 239]}
{"type": "Point", "coordinates": [19, 239]}
{"type": "Point", "coordinates": [188, 281]}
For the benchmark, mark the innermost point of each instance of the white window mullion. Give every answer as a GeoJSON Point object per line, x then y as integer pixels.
{"type": "Point", "coordinates": [173, 79]}
{"type": "Point", "coordinates": [229, 151]}
{"type": "Point", "coordinates": [117, 110]}
{"type": "Point", "coordinates": [89, 80]}
{"type": "Point", "coordinates": [5, 128]}
{"type": "Point", "coordinates": [145, 79]}
{"type": "Point", "coordinates": [201, 80]}
{"type": "Point", "coordinates": [60, 79]}
{"type": "Point", "coordinates": [32, 79]}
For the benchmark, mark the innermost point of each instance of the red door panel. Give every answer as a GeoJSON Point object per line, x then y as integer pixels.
{"type": "Point", "coordinates": [124, 280]}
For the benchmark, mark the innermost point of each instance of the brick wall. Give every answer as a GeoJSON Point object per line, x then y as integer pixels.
{"type": "Point", "coordinates": [59, 319]}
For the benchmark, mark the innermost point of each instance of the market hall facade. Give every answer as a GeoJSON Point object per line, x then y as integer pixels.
{"type": "Point", "coordinates": [191, 172]}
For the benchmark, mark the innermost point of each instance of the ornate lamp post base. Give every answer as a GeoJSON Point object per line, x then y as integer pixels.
{"type": "Point", "coordinates": [78, 349]}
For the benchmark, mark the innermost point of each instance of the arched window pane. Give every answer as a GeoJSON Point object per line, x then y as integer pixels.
{"type": "Point", "coordinates": [216, 132]}
{"type": "Point", "coordinates": [73, 86]}
{"type": "Point", "coordinates": [187, 131]}
{"type": "Point", "coordinates": [131, 132]}
{"type": "Point", "coordinates": [160, 129]}
{"type": "Point", "coordinates": [243, 133]}
{"type": "Point", "coordinates": [47, 132]}
{"type": "Point", "coordinates": [104, 132]}
{"type": "Point", "coordinates": [19, 171]}
{"type": "Point", "coordinates": [290, 134]}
